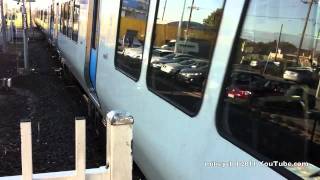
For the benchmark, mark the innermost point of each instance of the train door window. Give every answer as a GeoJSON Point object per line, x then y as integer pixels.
{"type": "Point", "coordinates": [186, 33]}
{"type": "Point", "coordinates": [76, 14]}
{"type": "Point", "coordinates": [269, 105]}
{"type": "Point", "coordinates": [61, 17]}
{"type": "Point", "coordinates": [70, 19]}
{"type": "Point", "coordinates": [131, 36]}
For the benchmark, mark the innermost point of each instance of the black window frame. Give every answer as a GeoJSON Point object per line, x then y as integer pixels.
{"type": "Point", "coordinates": [70, 18]}
{"type": "Point", "coordinates": [116, 44]}
{"type": "Point", "coordinates": [170, 101]}
{"type": "Point", "coordinates": [219, 117]}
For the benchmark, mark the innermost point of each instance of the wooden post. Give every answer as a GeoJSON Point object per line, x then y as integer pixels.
{"type": "Point", "coordinates": [119, 152]}
{"type": "Point", "coordinates": [26, 150]}
{"type": "Point", "coordinates": [80, 148]}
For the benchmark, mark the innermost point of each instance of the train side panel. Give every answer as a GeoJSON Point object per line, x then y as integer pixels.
{"type": "Point", "coordinates": [168, 144]}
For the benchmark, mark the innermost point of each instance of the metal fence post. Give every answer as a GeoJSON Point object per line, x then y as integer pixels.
{"type": "Point", "coordinates": [26, 149]}
{"type": "Point", "coordinates": [80, 148]}
{"type": "Point", "coordinates": [119, 139]}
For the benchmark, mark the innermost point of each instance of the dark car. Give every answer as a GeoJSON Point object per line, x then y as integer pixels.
{"type": "Point", "coordinates": [295, 102]}
{"type": "Point", "coordinates": [245, 86]}
{"type": "Point", "coordinates": [301, 75]}
{"type": "Point", "coordinates": [195, 76]}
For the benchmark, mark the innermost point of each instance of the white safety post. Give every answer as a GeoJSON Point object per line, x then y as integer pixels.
{"type": "Point", "coordinates": [80, 127]}
{"type": "Point", "coordinates": [119, 140]}
{"type": "Point", "coordinates": [26, 150]}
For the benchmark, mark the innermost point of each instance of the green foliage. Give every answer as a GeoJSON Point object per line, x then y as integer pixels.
{"type": "Point", "coordinates": [213, 19]}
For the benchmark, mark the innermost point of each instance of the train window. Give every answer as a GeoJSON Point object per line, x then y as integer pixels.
{"type": "Point", "coordinates": [182, 48]}
{"type": "Point", "coordinates": [70, 19]}
{"type": "Point", "coordinates": [270, 103]}
{"type": "Point", "coordinates": [131, 36]}
{"type": "Point", "coordinates": [45, 16]}
{"type": "Point", "coordinates": [76, 14]}
{"type": "Point", "coordinates": [65, 18]}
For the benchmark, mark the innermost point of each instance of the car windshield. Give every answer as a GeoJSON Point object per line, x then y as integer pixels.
{"type": "Point", "coordinates": [188, 62]}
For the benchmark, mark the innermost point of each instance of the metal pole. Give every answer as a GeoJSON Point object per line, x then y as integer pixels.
{"type": "Point", "coordinates": [30, 17]}
{"type": "Point", "coordinates": [315, 46]}
{"type": "Point", "coordinates": [179, 28]}
{"type": "Point", "coordinates": [4, 28]}
{"type": "Point", "coordinates": [25, 36]}
{"type": "Point", "coordinates": [304, 30]}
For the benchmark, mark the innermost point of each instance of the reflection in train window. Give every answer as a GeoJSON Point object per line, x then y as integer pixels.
{"type": "Point", "coordinates": [184, 39]}
{"type": "Point", "coordinates": [76, 14]}
{"type": "Point", "coordinates": [61, 17]}
{"type": "Point", "coordinates": [65, 18]}
{"type": "Point", "coordinates": [270, 103]}
{"type": "Point", "coordinates": [131, 36]}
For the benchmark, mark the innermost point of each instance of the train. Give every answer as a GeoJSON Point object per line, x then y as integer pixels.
{"type": "Point", "coordinates": [177, 67]}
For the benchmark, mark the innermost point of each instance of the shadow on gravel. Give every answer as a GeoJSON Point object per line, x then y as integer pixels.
{"type": "Point", "coordinates": [51, 104]}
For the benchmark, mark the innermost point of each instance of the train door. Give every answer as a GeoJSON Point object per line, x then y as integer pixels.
{"type": "Point", "coordinates": [92, 45]}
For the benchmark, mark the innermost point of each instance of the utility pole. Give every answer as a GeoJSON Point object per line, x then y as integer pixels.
{"type": "Point", "coordinates": [164, 9]}
{"type": "Point", "coordinates": [278, 42]}
{"type": "Point", "coordinates": [277, 49]}
{"type": "Point", "coordinates": [4, 28]}
{"type": "Point", "coordinates": [179, 27]}
{"type": "Point", "coordinates": [190, 15]}
{"type": "Point", "coordinates": [304, 29]}
{"type": "Point", "coordinates": [25, 37]}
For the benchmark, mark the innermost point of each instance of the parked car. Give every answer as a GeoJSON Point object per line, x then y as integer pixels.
{"type": "Point", "coordinates": [246, 86]}
{"type": "Point", "coordinates": [295, 102]}
{"type": "Point", "coordinates": [243, 84]}
{"type": "Point", "coordinates": [301, 75]}
{"type": "Point", "coordinates": [195, 76]}
{"type": "Point", "coordinates": [158, 54]}
{"type": "Point", "coordinates": [169, 59]}
{"type": "Point", "coordinates": [135, 53]}
{"type": "Point", "coordinates": [174, 68]}
{"type": "Point", "coordinates": [263, 63]}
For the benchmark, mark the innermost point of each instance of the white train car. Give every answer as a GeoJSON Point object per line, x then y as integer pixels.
{"type": "Point", "coordinates": [205, 113]}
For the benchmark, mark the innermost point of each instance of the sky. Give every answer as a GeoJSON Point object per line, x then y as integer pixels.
{"type": "Point", "coordinates": [264, 19]}
{"type": "Point", "coordinates": [174, 9]}
{"type": "Point", "coordinates": [37, 3]}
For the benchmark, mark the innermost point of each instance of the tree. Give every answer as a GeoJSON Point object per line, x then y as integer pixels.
{"type": "Point", "coordinates": [214, 18]}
